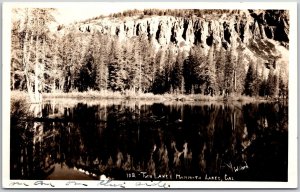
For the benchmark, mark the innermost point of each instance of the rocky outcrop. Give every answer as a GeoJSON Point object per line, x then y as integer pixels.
{"type": "Point", "coordinates": [261, 35]}
{"type": "Point", "coordinates": [274, 24]}
{"type": "Point", "coordinates": [226, 31]}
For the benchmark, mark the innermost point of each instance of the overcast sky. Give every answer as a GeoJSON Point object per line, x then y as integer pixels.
{"type": "Point", "coordinates": [80, 11]}
{"type": "Point", "coordinates": [77, 13]}
{"type": "Point", "coordinates": [69, 12]}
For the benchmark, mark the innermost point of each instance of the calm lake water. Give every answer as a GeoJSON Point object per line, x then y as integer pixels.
{"type": "Point", "coordinates": [151, 141]}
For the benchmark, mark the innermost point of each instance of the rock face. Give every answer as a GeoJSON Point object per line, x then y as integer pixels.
{"type": "Point", "coordinates": [258, 33]}
{"type": "Point", "coordinates": [227, 30]}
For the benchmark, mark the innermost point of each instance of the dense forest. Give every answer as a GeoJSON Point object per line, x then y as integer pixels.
{"type": "Point", "coordinates": [53, 61]}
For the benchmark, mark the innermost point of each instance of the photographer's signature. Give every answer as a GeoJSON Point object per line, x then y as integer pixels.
{"type": "Point", "coordinates": [238, 168]}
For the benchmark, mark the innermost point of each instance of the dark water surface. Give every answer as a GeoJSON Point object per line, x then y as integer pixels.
{"type": "Point", "coordinates": [145, 141]}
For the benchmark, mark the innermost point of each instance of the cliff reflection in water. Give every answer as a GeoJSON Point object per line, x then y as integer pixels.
{"type": "Point", "coordinates": [128, 140]}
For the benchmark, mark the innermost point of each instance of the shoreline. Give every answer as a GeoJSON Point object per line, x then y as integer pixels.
{"type": "Point", "coordinates": [147, 97]}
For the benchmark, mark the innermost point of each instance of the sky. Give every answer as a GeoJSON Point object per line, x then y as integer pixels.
{"type": "Point", "coordinates": [70, 14]}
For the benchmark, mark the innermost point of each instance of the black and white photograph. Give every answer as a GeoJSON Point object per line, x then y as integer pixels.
{"type": "Point", "coordinates": [139, 95]}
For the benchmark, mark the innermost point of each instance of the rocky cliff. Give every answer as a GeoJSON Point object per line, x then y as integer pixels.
{"type": "Point", "coordinates": [260, 34]}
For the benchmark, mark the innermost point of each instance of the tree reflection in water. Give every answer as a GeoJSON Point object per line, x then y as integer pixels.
{"type": "Point", "coordinates": [154, 141]}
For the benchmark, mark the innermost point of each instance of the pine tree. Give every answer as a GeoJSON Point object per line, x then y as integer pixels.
{"type": "Point", "coordinates": [199, 70]}
{"type": "Point", "coordinates": [272, 83]}
{"type": "Point", "coordinates": [282, 92]}
{"type": "Point", "coordinates": [249, 81]}
{"type": "Point", "coordinates": [141, 72]}
{"type": "Point", "coordinates": [229, 72]}
{"type": "Point", "coordinates": [137, 66]}
{"type": "Point", "coordinates": [240, 74]}
{"type": "Point", "coordinates": [263, 88]}
{"type": "Point", "coordinates": [98, 61]}
{"type": "Point", "coordinates": [17, 73]}
{"type": "Point", "coordinates": [103, 58]}
{"type": "Point", "coordinates": [128, 62]}
{"type": "Point", "coordinates": [220, 69]}
{"type": "Point", "coordinates": [70, 54]}
{"type": "Point", "coordinates": [35, 35]}
{"type": "Point", "coordinates": [210, 73]}
{"type": "Point", "coordinates": [147, 64]}
{"type": "Point", "coordinates": [194, 71]}
{"type": "Point", "coordinates": [168, 66]}
{"type": "Point", "coordinates": [114, 68]}
{"type": "Point", "coordinates": [263, 84]}
{"type": "Point", "coordinates": [176, 74]}
{"type": "Point", "coordinates": [87, 74]}
{"type": "Point", "coordinates": [53, 69]}
{"type": "Point", "coordinates": [158, 86]}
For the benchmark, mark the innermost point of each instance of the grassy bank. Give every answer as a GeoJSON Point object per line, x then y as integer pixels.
{"type": "Point", "coordinates": [19, 95]}
{"type": "Point", "coordinates": [148, 96]}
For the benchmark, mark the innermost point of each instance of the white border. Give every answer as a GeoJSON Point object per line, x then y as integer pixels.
{"type": "Point", "coordinates": [292, 115]}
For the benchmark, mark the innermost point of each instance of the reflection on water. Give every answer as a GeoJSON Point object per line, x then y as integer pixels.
{"type": "Point", "coordinates": [139, 140]}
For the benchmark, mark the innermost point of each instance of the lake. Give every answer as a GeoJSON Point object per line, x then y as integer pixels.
{"type": "Point", "coordinates": [142, 140]}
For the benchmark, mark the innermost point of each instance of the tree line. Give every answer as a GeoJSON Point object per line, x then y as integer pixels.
{"type": "Point", "coordinates": [45, 61]}
{"type": "Point", "coordinates": [173, 12]}
{"type": "Point", "coordinates": [165, 12]}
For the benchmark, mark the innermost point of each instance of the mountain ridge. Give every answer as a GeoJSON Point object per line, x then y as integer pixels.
{"type": "Point", "coordinates": [258, 32]}
{"type": "Point", "coordinates": [261, 23]}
